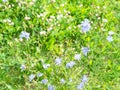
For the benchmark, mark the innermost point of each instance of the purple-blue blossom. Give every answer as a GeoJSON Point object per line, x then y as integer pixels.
{"type": "Point", "coordinates": [62, 81]}
{"type": "Point", "coordinates": [39, 74]}
{"type": "Point", "coordinates": [85, 25]}
{"type": "Point", "coordinates": [31, 77]}
{"type": "Point", "coordinates": [70, 64]}
{"type": "Point", "coordinates": [22, 67]}
{"type": "Point", "coordinates": [110, 38]}
{"type": "Point", "coordinates": [85, 79]}
{"type": "Point", "coordinates": [50, 87]}
{"type": "Point", "coordinates": [80, 86]}
{"type": "Point", "coordinates": [58, 61]}
{"type": "Point", "coordinates": [24, 34]}
{"type": "Point", "coordinates": [44, 81]}
{"type": "Point", "coordinates": [85, 50]}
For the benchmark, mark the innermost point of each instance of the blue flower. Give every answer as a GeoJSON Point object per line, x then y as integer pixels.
{"type": "Point", "coordinates": [62, 81]}
{"type": "Point", "coordinates": [70, 64]}
{"type": "Point", "coordinates": [4, 1]}
{"type": "Point", "coordinates": [39, 74]}
{"type": "Point", "coordinates": [22, 67]}
{"type": "Point", "coordinates": [44, 81]}
{"type": "Point", "coordinates": [31, 77]}
{"type": "Point", "coordinates": [24, 34]}
{"type": "Point", "coordinates": [58, 61]}
{"type": "Point", "coordinates": [80, 86]}
{"type": "Point", "coordinates": [50, 87]}
{"type": "Point", "coordinates": [84, 79]}
{"type": "Point", "coordinates": [85, 25]}
{"type": "Point", "coordinates": [85, 50]}
{"type": "Point", "coordinates": [110, 38]}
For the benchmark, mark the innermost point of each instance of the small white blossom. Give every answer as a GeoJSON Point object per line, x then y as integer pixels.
{"type": "Point", "coordinates": [27, 18]}
{"type": "Point", "coordinates": [110, 33]}
{"type": "Point", "coordinates": [110, 38]}
{"type": "Point", "coordinates": [58, 61]}
{"type": "Point", "coordinates": [85, 25]}
{"type": "Point", "coordinates": [31, 77]}
{"type": "Point", "coordinates": [50, 28]}
{"type": "Point", "coordinates": [12, 23]}
{"type": "Point", "coordinates": [77, 56]}
{"type": "Point", "coordinates": [98, 18]}
{"type": "Point", "coordinates": [70, 64]}
{"type": "Point", "coordinates": [44, 81]}
{"type": "Point", "coordinates": [43, 32]}
{"type": "Point", "coordinates": [45, 66]}
{"type": "Point", "coordinates": [85, 50]}
{"type": "Point", "coordinates": [70, 80]}
{"type": "Point", "coordinates": [105, 20]}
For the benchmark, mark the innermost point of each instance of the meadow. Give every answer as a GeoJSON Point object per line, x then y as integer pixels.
{"type": "Point", "coordinates": [59, 44]}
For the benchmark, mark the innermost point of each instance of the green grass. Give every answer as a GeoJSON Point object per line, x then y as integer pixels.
{"type": "Point", "coordinates": [64, 40]}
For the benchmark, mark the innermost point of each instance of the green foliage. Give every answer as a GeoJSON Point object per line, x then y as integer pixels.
{"type": "Point", "coordinates": [55, 31]}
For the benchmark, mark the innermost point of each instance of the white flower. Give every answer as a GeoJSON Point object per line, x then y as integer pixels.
{"type": "Point", "coordinates": [53, 0]}
{"type": "Point", "coordinates": [24, 34]}
{"type": "Point", "coordinates": [58, 61]}
{"type": "Point", "coordinates": [45, 66]}
{"type": "Point", "coordinates": [22, 67]}
{"type": "Point", "coordinates": [43, 32]}
{"type": "Point", "coordinates": [77, 56]}
{"type": "Point", "coordinates": [60, 16]}
{"type": "Point", "coordinates": [85, 50]}
{"type": "Point", "coordinates": [39, 74]}
{"type": "Point", "coordinates": [85, 25]}
{"type": "Point", "coordinates": [70, 64]}
{"type": "Point", "coordinates": [110, 38]}
{"type": "Point", "coordinates": [27, 18]}
{"type": "Point", "coordinates": [12, 23]}
{"type": "Point", "coordinates": [50, 28]}
{"type": "Point", "coordinates": [50, 87]}
{"type": "Point", "coordinates": [31, 77]}
{"type": "Point", "coordinates": [44, 81]}
{"type": "Point", "coordinates": [110, 33]}
{"type": "Point", "coordinates": [70, 80]}
{"type": "Point", "coordinates": [105, 20]}
{"type": "Point", "coordinates": [62, 81]}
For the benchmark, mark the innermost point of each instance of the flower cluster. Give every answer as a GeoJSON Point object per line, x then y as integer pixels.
{"type": "Point", "coordinates": [24, 34]}
{"type": "Point", "coordinates": [81, 85]}
{"type": "Point", "coordinates": [85, 25]}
